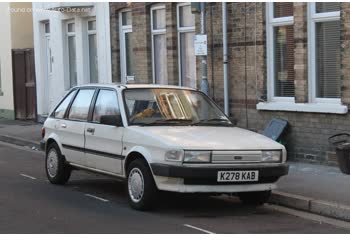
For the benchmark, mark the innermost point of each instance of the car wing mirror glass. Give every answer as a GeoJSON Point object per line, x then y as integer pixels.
{"type": "Point", "coordinates": [113, 120]}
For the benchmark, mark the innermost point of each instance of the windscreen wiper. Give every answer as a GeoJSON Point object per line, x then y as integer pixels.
{"type": "Point", "coordinates": [213, 121]}
{"type": "Point", "coordinates": [161, 121]}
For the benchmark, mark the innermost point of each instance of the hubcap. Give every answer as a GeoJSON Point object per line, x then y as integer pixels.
{"type": "Point", "coordinates": [52, 163]}
{"type": "Point", "coordinates": [136, 184]}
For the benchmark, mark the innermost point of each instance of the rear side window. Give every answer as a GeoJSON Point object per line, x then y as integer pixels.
{"type": "Point", "coordinates": [61, 109]}
{"type": "Point", "coordinates": [106, 104]}
{"type": "Point", "coordinates": [80, 107]}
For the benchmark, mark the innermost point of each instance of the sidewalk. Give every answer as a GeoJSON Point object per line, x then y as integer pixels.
{"type": "Point", "coordinates": [315, 188]}
{"type": "Point", "coordinates": [318, 189]}
{"type": "Point", "coordinates": [317, 182]}
{"type": "Point", "coordinates": [23, 133]}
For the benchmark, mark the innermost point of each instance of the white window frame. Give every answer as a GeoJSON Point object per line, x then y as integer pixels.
{"type": "Point", "coordinates": [47, 39]}
{"type": "Point", "coordinates": [123, 30]}
{"type": "Point", "coordinates": [46, 62]}
{"type": "Point", "coordinates": [66, 27]}
{"type": "Point", "coordinates": [314, 105]}
{"type": "Point", "coordinates": [314, 18]}
{"type": "Point", "coordinates": [270, 51]}
{"type": "Point", "coordinates": [179, 31]}
{"type": "Point", "coordinates": [155, 32]}
{"type": "Point", "coordinates": [67, 35]}
{"type": "Point", "coordinates": [88, 33]}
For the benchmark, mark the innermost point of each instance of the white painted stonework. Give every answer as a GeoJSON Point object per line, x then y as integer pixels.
{"type": "Point", "coordinates": [6, 86]}
{"type": "Point", "coordinates": [51, 87]}
{"type": "Point", "coordinates": [15, 33]}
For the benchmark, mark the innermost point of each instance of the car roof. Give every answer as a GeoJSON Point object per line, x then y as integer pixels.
{"type": "Point", "coordinates": [134, 86]}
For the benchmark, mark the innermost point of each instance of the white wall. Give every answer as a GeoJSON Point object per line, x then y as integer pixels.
{"type": "Point", "coordinates": [55, 89]}
{"type": "Point", "coordinates": [6, 100]}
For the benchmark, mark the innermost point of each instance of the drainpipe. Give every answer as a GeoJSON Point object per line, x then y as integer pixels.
{"type": "Point", "coordinates": [205, 85]}
{"type": "Point", "coordinates": [225, 59]}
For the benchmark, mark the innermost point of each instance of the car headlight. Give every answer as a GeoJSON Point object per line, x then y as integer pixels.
{"type": "Point", "coordinates": [271, 156]}
{"type": "Point", "coordinates": [197, 156]}
{"type": "Point", "coordinates": [174, 156]}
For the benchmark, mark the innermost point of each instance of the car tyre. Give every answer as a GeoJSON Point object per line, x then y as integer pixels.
{"type": "Point", "coordinates": [254, 198]}
{"type": "Point", "coordinates": [141, 188]}
{"type": "Point", "coordinates": [57, 170]}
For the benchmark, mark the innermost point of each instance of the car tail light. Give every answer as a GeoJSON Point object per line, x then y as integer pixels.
{"type": "Point", "coordinates": [43, 132]}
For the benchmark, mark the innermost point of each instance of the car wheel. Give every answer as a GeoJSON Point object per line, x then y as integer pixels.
{"type": "Point", "coordinates": [254, 198]}
{"type": "Point", "coordinates": [57, 171]}
{"type": "Point", "coordinates": [141, 188]}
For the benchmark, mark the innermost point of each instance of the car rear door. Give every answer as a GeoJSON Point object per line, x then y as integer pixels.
{"type": "Point", "coordinates": [103, 144]}
{"type": "Point", "coordinates": [72, 128]}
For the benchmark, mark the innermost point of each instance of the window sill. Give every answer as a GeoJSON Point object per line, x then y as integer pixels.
{"type": "Point", "coordinates": [303, 107]}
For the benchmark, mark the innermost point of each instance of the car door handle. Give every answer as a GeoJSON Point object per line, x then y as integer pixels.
{"type": "Point", "coordinates": [63, 125]}
{"type": "Point", "coordinates": [90, 130]}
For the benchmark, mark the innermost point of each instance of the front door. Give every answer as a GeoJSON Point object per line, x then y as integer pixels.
{"type": "Point", "coordinates": [103, 146]}
{"type": "Point", "coordinates": [24, 83]}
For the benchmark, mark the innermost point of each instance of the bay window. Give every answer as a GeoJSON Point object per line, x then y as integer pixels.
{"type": "Point", "coordinates": [72, 60]}
{"type": "Point", "coordinates": [186, 32]}
{"type": "Point", "coordinates": [92, 44]}
{"type": "Point", "coordinates": [324, 52]}
{"type": "Point", "coordinates": [159, 48]}
{"type": "Point", "coordinates": [126, 49]}
{"type": "Point", "coordinates": [48, 53]}
{"type": "Point", "coordinates": [280, 51]}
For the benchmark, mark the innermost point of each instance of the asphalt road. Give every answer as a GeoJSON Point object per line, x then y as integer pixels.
{"type": "Point", "coordinates": [91, 203]}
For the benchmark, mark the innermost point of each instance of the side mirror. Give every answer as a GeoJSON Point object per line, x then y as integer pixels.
{"type": "Point", "coordinates": [113, 120]}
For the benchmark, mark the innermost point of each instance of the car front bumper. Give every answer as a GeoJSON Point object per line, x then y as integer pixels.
{"type": "Point", "coordinates": [204, 179]}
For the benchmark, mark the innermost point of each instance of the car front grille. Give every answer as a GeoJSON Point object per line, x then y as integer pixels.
{"type": "Point", "coordinates": [227, 157]}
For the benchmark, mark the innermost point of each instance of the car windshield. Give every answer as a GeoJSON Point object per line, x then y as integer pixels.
{"type": "Point", "coordinates": [155, 106]}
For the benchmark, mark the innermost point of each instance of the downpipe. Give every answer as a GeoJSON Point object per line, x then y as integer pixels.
{"type": "Point", "coordinates": [204, 84]}
{"type": "Point", "coordinates": [225, 59]}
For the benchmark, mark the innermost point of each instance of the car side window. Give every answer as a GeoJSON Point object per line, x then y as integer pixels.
{"type": "Point", "coordinates": [81, 104]}
{"type": "Point", "coordinates": [106, 104]}
{"type": "Point", "coordinates": [61, 109]}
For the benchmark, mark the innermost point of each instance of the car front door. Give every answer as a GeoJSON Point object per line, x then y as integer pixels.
{"type": "Point", "coordinates": [103, 144]}
{"type": "Point", "coordinates": [72, 128]}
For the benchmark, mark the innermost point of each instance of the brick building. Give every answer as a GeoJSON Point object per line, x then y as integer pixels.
{"type": "Point", "coordinates": [286, 60]}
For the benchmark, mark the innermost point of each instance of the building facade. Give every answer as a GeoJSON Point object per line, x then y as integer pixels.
{"type": "Point", "coordinates": [148, 41]}
{"type": "Point", "coordinates": [72, 47]}
{"type": "Point", "coordinates": [16, 33]}
{"type": "Point", "coordinates": [286, 60]}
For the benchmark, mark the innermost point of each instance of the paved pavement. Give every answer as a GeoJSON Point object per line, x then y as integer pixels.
{"type": "Point", "coordinates": [91, 203]}
{"type": "Point", "coordinates": [26, 130]}
{"type": "Point", "coordinates": [22, 133]}
{"type": "Point", "coordinates": [316, 181]}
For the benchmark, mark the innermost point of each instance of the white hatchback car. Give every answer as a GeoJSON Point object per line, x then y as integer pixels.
{"type": "Point", "coordinates": [159, 138]}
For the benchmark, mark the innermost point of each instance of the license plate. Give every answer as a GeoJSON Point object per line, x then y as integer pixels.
{"type": "Point", "coordinates": [238, 176]}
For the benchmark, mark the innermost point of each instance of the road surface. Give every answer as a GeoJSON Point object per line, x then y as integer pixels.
{"type": "Point", "coordinates": [91, 203]}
